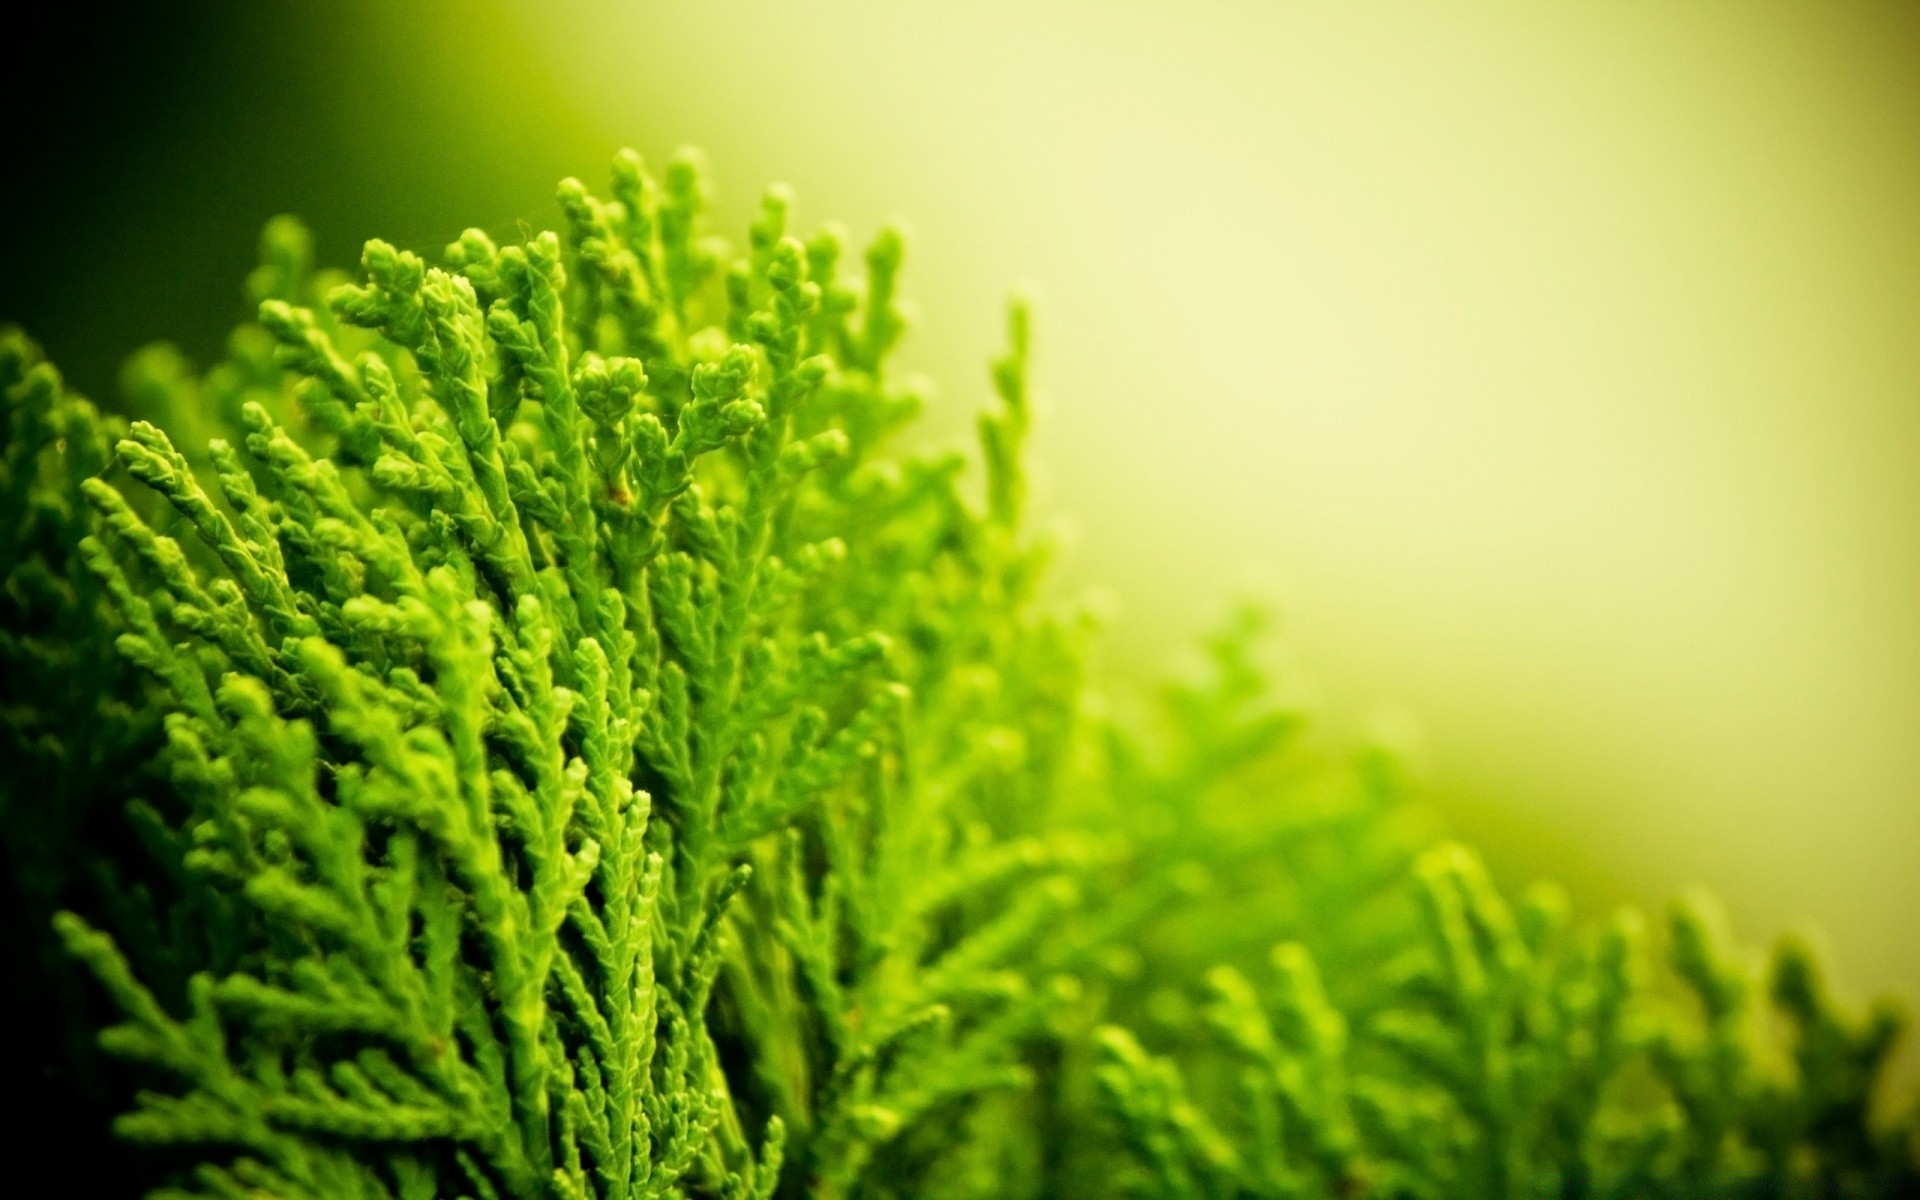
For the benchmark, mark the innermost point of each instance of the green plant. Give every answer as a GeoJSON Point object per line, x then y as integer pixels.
{"type": "Point", "coordinates": [1515, 1057]}
{"type": "Point", "coordinates": [518, 727]}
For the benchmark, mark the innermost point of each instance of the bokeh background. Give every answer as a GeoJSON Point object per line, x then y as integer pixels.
{"type": "Point", "coordinates": [1555, 367]}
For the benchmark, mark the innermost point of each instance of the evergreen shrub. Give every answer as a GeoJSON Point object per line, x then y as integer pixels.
{"type": "Point", "coordinates": [521, 726]}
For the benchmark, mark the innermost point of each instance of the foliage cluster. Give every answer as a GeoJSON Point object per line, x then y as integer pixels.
{"type": "Point", "coordinates": [522, 726]}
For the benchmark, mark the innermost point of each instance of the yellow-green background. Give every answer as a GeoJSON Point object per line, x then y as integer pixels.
{"type": "Point", "coordinates": [1557, 367]}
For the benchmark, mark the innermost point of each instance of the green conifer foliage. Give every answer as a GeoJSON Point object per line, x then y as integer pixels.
{"type": "Point", "coordinates": [1518, 1057]}
{"type": "Point", "coordinates": [518, 727]}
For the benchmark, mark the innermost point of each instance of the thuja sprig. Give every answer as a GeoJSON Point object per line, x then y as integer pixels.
{"type": "Point", "coordinates": [552, 669]}
{"type": "Point", "coordinates": [1522, 1058]}
{"type": "Point", "coordinates": [570, 751]}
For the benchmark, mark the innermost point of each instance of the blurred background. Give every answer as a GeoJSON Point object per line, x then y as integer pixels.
{"type": "Point", "coordinates": [1555, 368]}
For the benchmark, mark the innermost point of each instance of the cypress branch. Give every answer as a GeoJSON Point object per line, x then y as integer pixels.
{"type": "Point", "coordinates": [518, 727]}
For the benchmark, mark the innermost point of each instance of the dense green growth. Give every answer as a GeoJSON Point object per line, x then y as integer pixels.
{"type": "Point", "coordinates": [520, 727]}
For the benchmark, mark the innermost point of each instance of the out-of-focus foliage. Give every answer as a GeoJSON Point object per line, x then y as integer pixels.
{"type": "Point", "coordinates": [518, 727]}
{"type": "Point", "coordinates": [1513, 1056]}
